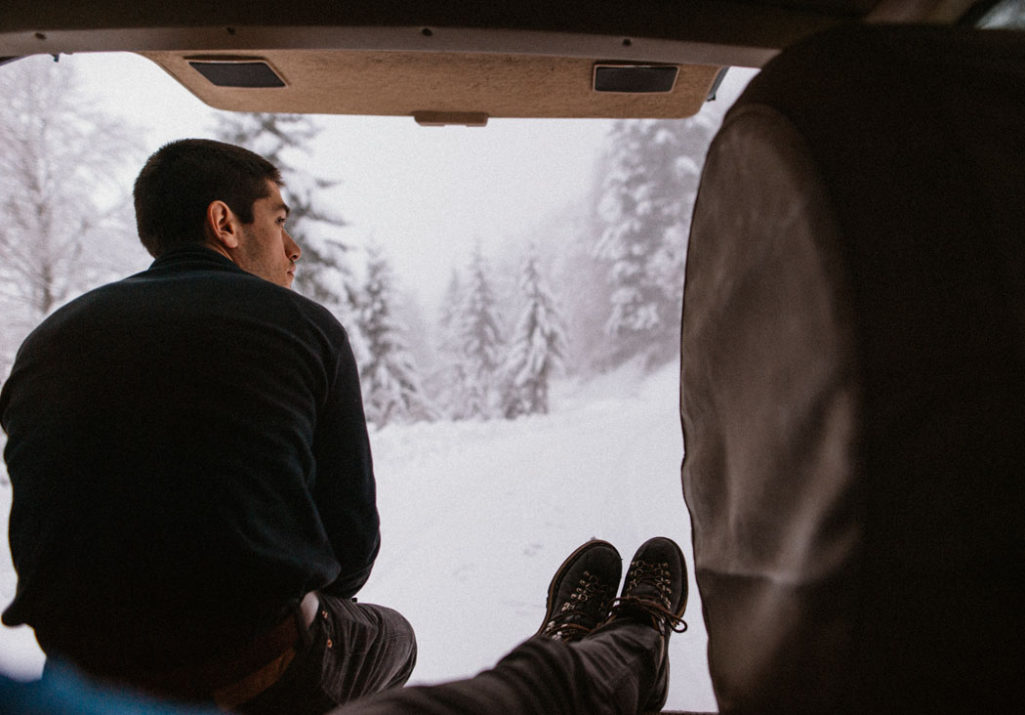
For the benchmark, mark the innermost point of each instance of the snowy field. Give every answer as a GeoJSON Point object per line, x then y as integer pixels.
{"type": "Point", "coordinates": [476, 516]}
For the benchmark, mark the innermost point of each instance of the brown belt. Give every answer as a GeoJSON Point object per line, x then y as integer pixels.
{"type": "Point", "coordinates": [248, 672]}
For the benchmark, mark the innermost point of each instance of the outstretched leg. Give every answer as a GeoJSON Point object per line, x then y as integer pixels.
{"type": "Point", "coordinates": [583, 659]}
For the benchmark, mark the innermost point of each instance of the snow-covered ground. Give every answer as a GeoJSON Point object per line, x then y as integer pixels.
{"type": "Point", "coordinates": [476, 516]}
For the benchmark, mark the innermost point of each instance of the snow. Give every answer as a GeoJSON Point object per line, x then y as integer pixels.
{"type": "Point", "coordinates": [476, 516]}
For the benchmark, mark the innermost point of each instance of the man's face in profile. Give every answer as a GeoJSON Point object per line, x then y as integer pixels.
{"type": "Point", "coordinates": [266, 249]}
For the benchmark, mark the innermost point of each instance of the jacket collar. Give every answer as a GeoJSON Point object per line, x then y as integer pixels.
{"type": "Point", "coordinates": [194, 256]}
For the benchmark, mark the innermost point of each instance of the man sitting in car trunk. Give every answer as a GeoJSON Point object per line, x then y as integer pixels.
{"type": "Point", "coordinates": [194, 500]}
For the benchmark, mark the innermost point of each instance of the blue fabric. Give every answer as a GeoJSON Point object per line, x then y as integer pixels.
{"type": "Point", "coordinates": [65, 693]}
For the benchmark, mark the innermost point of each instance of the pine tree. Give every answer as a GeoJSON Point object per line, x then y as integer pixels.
{"type": "Point", "coordinates": [450, 379]}
{"type": "Point", "coordinates": [480, 339]}
{"type": "Point", "coordinates": [449, 321]}
{"type": "Point", "coordinates": [646, 201]}
{"type": "Point", "coordinates": [391, 386]}
{"type": "Point", "coordinates": [323, 273]}
{"type": "Point", "coordinates": [585, 310]}
{"type": "Point", "coordinates": [537, 347]}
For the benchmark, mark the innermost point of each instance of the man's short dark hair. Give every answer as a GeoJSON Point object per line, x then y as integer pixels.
{"type": "Point", "coordinates": [182, 178]}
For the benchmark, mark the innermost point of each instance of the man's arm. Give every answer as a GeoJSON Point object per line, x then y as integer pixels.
{"type": "Point", "coordinates": [345, 492]}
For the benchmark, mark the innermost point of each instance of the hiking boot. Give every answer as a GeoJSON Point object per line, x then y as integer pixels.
{"type": "Point", "coordinates": [582, 591]}
{"type": "Point", "coordinates": [655, 593]}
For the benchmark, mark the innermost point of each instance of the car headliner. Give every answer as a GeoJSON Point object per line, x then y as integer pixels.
{"type": "Point", "coordinates": [447, 62]}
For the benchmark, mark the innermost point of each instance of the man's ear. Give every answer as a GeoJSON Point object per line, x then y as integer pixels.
{"type": "Point", "coordinates": [222, 225]}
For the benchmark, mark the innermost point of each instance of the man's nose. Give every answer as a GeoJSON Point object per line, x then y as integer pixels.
{"type": "Point", "coordinates": [292, 248]}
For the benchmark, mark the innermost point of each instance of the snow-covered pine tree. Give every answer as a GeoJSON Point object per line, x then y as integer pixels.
{"type": "Point", "coordinates": [646, 199]}
{"type": "Point", "coordinates": [480, 340]}
{"type": "Point", "coordinates": [323, 273]}
{"type": "Point", "coordinates": [585, 309]}
{"type": "Point", "coordinates": [389, 379]}
{"type": "Point", "coordinates": [537, 346]}
{"type": "Point", "coordinates": [449, 320]}
{"type": "Point", "coordinates": [449, 380]}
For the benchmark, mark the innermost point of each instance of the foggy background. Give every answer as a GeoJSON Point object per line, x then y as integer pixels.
{"type": "Point", "coordinates": [513, 298]}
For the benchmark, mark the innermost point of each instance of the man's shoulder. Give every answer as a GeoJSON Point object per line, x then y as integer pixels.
{"type": "Point", "coordinates": [195, 295]}
{"type": "Point", "coordinates": [91, 301]}
{"type": "Point", "coordinates": [159, 299]}
{"type": "Point", "coordinates": [319, 317]}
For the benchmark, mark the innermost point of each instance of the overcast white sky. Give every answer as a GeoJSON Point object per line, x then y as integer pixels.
{"type": "Point", "coordinates": [424, 193]}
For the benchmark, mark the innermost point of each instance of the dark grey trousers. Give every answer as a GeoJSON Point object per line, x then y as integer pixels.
{"type": "Point", "coordinates": [353, 650]}
{"type": "Point", "coordinates": [610, 671]}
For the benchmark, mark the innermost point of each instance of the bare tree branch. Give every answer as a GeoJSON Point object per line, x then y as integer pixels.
{"type": "Point", "coordinates": [63, 203]}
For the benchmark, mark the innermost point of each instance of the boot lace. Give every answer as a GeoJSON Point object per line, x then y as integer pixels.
{"type": "Point", "coordinates": [649, 592]}
{"type": "Point", "coordinates": [583, 609]}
